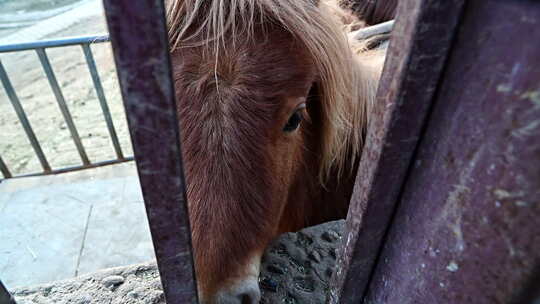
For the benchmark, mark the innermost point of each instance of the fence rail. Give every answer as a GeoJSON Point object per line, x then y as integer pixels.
{"type": "Point", "coordinates": [40, 48]}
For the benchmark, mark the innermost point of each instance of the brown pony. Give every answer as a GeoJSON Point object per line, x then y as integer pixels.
{"type": "Point", "coordinates": [273, 105]}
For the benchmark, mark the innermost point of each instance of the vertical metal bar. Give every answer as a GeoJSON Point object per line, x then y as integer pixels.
{"type": "Point", "coordinates": [62, 104]}
{"type": "Point", "coordinates": [142, 60]}
{"type": "Point", "coordinates": [102, 100]}
{"type": "Point", "coordinates": [12, 95]}
{"type": "Point", "coordinates": [4, 169]}
{"type": "Point", "coordinates": [421, 40]}
{"type": "Point", "coordinates": [5, 296]}
{"type": "Point", "coordinates": [467, 229]}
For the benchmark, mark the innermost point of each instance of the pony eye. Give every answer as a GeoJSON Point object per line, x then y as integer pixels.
{"type": "Point", "coordinates": [294, 121]}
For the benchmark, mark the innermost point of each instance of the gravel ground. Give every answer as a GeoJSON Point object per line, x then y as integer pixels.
{"type": "Point", "coordinates": [295, 269]}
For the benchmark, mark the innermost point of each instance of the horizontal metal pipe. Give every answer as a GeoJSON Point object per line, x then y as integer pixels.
{"type": "Point", "coordinates": [62, 104]}
{"type": "Point", "coordinates": [78, 168]}
{"type": "Point", "coordinates": [370, 31]}
{"type": "Point", "coordinates": [25, 46]}
{"type": "Point", "coordinates": [102, 100]}
{"type": "Point", "coordinates": [19, 110]}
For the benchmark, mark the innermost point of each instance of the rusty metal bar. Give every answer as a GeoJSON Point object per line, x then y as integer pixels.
{"type": "Point", "coordinates": [53, 43]}
{"type": "Point", "coordinates": [21, 114]}
{"type": "Point", "coordinates": [420, 43]}
{"type": "Point", "coordinates": [62, 104]}
{"type": "Point", "coordinates": [139, 40]}
{"type": "Point", "coordinates": [78, 168]}
{"type": "Point", "coordinates": [4, 169]}
{"type": "Point", "coordinates": [102, 100]}
{"type": "Point", "coordinates": [467, 229]}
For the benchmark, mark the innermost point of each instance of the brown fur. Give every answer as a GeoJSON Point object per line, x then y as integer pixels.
{"type": "Point", "coordinates": [248, 180]}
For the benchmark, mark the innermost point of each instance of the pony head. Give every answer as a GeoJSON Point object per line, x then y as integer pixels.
{"type": "Point", "coordinates": [271, 102]}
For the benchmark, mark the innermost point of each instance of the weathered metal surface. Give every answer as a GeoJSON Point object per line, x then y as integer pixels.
{"type": "Point", "coordinates": [51, 77]}
{"type": "Point", "coordinates": [139, 40]}
{"type": "Point", "coordinates": [102, 100]}
{"type": "Point", "coordinates": [21, 114]}
{"type": "Point", "coordinates": [468, 226]}
{"type": "Point", "coordinates": [420, 42]}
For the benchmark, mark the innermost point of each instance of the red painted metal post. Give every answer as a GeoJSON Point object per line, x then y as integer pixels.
{"type": "Point", "coordinates": [139, 40]}
{"type": "Point", "coordinates": [468, 225]}
{"type": "Point", "coordinates": [420, 43]}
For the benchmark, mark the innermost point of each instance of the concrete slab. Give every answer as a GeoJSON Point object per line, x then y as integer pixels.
{"type": "Point", "coordinates": [117, 235]}
{"type": "Point", "coordinates": [4, 198]}
{"type": "Point", "coordinates": [57, 227]}
{"type": "Point", "coordinates": [41, 237]}
{"type": "Point", "coordinates": [94, 191]}
{"type": "Point", "coordinates": [132, 190]}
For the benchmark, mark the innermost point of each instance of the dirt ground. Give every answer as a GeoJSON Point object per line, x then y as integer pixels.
{"type": "Point", "coordinates": [296, 268]}
{"type": "Point", "coordinates": [35, 94]}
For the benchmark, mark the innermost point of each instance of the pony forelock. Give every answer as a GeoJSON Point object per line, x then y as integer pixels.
{"type": "Point", "coordinates": [343, 88]}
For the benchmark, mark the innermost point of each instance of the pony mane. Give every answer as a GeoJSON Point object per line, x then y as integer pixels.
{"type": "Point", "coordinates": [345, 87]}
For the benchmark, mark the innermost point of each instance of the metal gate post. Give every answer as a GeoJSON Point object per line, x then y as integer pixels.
{"type": "Point", "coordinates": [420, 42]}
{"type": "Point", "coordinates": [139, 40]}
{"type": "Point", "coordinates": [467, 229]}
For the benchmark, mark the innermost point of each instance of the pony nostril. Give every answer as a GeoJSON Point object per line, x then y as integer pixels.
{"type": "Point", "coordinates": [247, 299]}
{"type": "Point", "coordinates": [245, 292]}
{"type": "Point", "coordinates": [250, 296]}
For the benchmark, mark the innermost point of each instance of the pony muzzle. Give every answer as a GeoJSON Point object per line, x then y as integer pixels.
{"type": "Point", "coordinates": [242, 289]}
{"type": "Point", "coordinates": [245, 291]}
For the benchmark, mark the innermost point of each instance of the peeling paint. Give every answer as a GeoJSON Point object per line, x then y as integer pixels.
{"type": "Point", "coordinates": [509, 245]}
{"type": "Point", "coordinates": [452, 266]}
{"type": "Point", "coordinates": [522, 204]}
{"type": "Point", "coordinates": [504, 88]}
{"type": "Point", "coordinates": [452, 208]}
{"type": "Point", "coordinates": [533, 96]}
{"type": "Point", "coordinates": [527, 130]}
{"type": "Point", "coordinates": [502, 194]}
{"type": "Point", "coordinates": [527, 19]}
